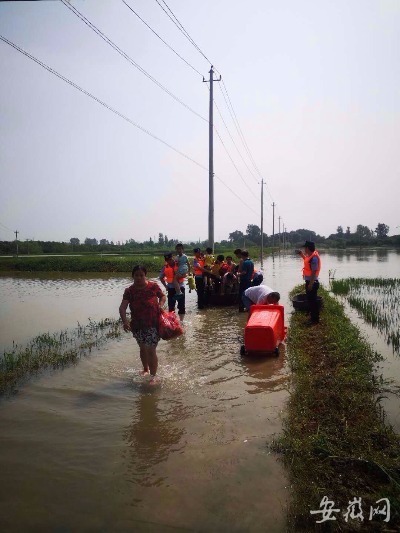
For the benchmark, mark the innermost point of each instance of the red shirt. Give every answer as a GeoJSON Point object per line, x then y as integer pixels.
{"type": "Point", "coordinates": [144, 305]}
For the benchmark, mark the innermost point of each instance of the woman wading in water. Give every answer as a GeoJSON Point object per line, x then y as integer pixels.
{"type": "Point", "coordinates": [145, 299]}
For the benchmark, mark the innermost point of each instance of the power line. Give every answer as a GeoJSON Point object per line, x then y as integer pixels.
{"type": "Point", "coordinates": [233, 163]}
{"type": "Point", "coordinates": [121, 115]}
{"type": "Point", "coordinates": [161, 39]}
{"type": "Point", "coordinates": [5, 227]}
{"type": "Point", "coordinates": [128, 58]}
{"type": "Point", "coordinates": [223, 144]}
{"type": "Point", "coordinates": [235, 145]}
{"type": "Point", "coordinates": [175, 52]}
{"type": "Point", "coordinates": [236, 122]}
{"type": "Point", "coordinates": [180, 27]}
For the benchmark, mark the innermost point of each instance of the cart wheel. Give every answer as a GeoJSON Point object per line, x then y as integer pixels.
{"type": "Point", "coordinates": [242, 350]}
{"type": "Point", "coordinates": [276, 352]}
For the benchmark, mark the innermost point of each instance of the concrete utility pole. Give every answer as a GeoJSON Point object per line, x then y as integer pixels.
{"type": "Point", "coordinates": [273, 226]}
{"type": "Point", "coordinates": [211, 163]}
{"type": "Point", "coordinates": [279, 236]}
{"type": "Point", "coordinates": [16, 239]}
{"type": "Point", "coordinates": [262, 222]}
{"type": "Point", "coordinates": [284, 237]}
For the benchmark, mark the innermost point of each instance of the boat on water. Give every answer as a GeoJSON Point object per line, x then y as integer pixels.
{"type": "Point", "coordinates": [228, 299]}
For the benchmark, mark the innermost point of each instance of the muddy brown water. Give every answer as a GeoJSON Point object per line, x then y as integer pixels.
{"type": "Point", "coordinates": [93, 447]}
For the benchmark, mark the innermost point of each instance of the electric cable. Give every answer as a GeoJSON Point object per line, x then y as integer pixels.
{"type": "Point", "coordinates": [161, 39]}
{"type": "Point", "coordinates": [180, 27]}
{"type": "Point", "coordinates": [127, 57]}
{"type": "Point", "coordinates": [121, 115]}
{"type": "Point", "coordinates": [5, 227]}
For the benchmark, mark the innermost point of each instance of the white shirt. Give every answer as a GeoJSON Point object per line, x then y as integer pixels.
{"type": "Point", "coordinates": [258, 294]}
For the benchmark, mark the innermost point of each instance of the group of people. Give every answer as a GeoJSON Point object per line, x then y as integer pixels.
{"type": "Point", "coordinates": [145, 298]}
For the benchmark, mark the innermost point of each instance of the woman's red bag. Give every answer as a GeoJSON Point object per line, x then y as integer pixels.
{"type": "Point", "coordinates": [169, 325]}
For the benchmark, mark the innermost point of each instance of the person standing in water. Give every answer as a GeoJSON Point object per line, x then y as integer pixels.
{"type": "Point", "coordinates": [311, 269]}
{"type": "Point", "coordinates": [145, 299]}
{"type": "Point", "coordinates": [166, 277]}
{"type": "Point", "coordinates": [245, 273]}
{"type": "Point", "coordinates": [182, 271]}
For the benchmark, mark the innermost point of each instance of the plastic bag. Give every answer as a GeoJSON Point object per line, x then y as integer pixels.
{"type": "Point", "coordinates": [169, 326]}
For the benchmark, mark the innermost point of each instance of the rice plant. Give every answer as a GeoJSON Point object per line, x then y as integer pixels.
{"type": "Point", "coordinates": [377, 300]}
{"type": "Point", "coordinates": [54, 350]}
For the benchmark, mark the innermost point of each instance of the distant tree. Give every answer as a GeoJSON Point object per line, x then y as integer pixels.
{"type": "Point", "coordinates": [339, 231]}
{"type": "Point", "coordinates": [91, 242]}
{"type": "Point", "coordinates": [253, 232]}
{"type": "Point", "coordinates": [75, 241]}
{"type": "Point", "coordinates": [363, 232]}
{"type": "Point", "coordinates": [236, 236]}
{"type": "Point", "coordinates": [104, 242]}
{"type": "Point", "coordinates": [381, 230]}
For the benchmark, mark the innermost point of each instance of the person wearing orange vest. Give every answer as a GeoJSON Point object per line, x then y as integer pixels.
{"type": "Point", "coordinates": [198, 271]}
{"type": "Point", "coordinates": [166, 277]}
{"type": "Point", "coordinates": [311, 269]}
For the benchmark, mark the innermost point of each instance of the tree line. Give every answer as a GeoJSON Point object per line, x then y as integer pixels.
{"type": "Point", "coordinates": [237, 239]}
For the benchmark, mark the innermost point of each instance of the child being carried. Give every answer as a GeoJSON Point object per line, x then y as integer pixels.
{"type": "Point", "coordinates": [183, 269]}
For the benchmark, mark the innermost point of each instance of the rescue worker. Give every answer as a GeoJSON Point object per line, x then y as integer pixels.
{"type": "Point", "coordinates": [311, 269]}
{"type": "Point", "coordinates": [246, 271]}
{"type": "Point", "coordinates": [166, 277]}
{"type": "Point", "coordinates": [198, 271]}
{"type": "Point", "coordinates": [260, 295]}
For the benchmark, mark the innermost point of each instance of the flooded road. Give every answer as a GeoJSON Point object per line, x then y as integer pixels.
{"type": "Point", "coordinates": [93, 447]}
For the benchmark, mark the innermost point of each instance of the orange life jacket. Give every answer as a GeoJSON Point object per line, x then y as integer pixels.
{"type": "Point", "coordinates": [169, 273]}
{"type": "Point", "coordinates": [196, 270]}
{"type": "Point", "coordinates": [307, 265]}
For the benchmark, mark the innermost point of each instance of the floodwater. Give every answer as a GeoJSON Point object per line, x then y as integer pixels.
{"type": "Point", "coordinates": [93, 447]}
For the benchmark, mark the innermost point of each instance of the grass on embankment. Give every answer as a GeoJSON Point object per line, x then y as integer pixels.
{"type": "Point", "coordinates": [91, 263]}
{"type": "Point", "coordinates": [335, 441]}
{"type": "Point", "coordinates": [94, 263]}
{"type": "Point", "coordinates": [56, 350]}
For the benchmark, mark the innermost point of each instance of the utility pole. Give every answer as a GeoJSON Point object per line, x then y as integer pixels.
{"type": "Point", "coordinates": [279, 236]}
{"type": "Point", "coordinates": [16, 239]}
{"type": "Point", "coordinates": [273, 226]}
{"type": "Point", "coordinates": [262, 222]}
{"type": "Point", "coordinates": [211, 163]}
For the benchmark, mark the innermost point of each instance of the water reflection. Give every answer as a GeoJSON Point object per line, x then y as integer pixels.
{"type": "Point", "coordinates": [152, 436]}
{"type": "Point", "coordinates": [382, 255]}
{"type": "Point", "coordinates": [266, 372]}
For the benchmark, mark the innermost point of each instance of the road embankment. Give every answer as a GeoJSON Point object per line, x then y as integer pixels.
{"type": "Point", "coordinates": [88, 263]}
{"type": "Point", "coordinates": [340, 451]}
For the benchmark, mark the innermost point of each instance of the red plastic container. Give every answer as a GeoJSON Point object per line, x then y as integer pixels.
{"type": "Point", "coordinates": [265, 329]}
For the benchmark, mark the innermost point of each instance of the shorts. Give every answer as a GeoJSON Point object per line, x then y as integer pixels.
{"type": "Point", "coordinates": [148, 336]}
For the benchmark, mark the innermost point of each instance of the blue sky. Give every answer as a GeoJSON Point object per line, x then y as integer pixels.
{"type": "Point", "coordinates": [314, 86]}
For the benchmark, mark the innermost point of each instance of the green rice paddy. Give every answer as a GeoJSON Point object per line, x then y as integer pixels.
{"type": "Point", "coordinates": [54, 350]}
{"type": "Point", "coordinates": [377, 300]}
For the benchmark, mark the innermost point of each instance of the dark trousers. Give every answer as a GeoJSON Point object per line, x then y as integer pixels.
{"type": "Point", "coordinates": [243, 285]}
{"type": "Point", "coordinates": [172, 301]}
{"type": "Point", "coordinates": [200, 288]}
{"type": "Point", "coordinates": [312, 301]}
